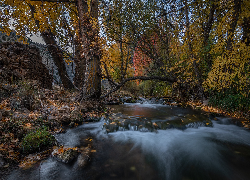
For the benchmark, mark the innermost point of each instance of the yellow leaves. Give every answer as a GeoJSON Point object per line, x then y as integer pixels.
{"type": "Point", "coordinates": [229, 68]}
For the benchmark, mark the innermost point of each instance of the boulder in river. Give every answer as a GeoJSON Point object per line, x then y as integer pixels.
{"type": "Point", "coordinates": [65, 155]}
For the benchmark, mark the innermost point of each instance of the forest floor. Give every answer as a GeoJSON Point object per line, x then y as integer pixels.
{"type": "Point", "coordinates": [25, 108]}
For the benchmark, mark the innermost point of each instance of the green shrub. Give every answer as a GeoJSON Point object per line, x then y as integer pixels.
{"type": "Point", "coordinates": [37, 140]}
{"type": "Point", "coordinates": [230, 101]}
{"type": "Point", "coordinates": [155, 88]}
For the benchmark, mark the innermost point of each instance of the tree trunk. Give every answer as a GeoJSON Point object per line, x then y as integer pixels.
{"type": "Point", "coordinates": [236, 13]}
{"type": "Point", "coordinates": [206, 33]}
{"type": "Point", "coordinates": [209, 24]}
{"type": "Point", "coordinates": [88, 19]}
{"type": "Point", "coordinates": [246, 31]}
{"type": "Point", "coordinates": [57, 56]}
{"type": "Point", "coordinates": [191, 55]}
{"type": "Point", "coordinates": [55, 52]}
{"type": "Point", "coordinates": [80, 64]}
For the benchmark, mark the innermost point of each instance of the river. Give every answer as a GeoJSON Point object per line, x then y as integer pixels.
{"type": "Point", "coordinates": [153, 141]}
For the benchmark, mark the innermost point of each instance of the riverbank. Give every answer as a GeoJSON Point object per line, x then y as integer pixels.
{"type": "Point", "coordinates": [241, 118]}
{"type": "Point", "coordinates": [28, 111]}
{"type": "Point", "coordinates": [30, 116]}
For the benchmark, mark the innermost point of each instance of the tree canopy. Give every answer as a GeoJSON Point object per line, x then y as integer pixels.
{"type": "Point", "coordinates": [197, 46]}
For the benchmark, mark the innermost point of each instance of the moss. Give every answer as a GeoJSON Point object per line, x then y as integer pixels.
{"type": "Point", "coordinates": [37, 140]}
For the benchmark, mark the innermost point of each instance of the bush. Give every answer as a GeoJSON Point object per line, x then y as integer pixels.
{"type": "Point", "coordinates": [230, 101]}
{"type": "Point", "coordinates": [37, 140]}
{"type": "Point", "coordinates": [155, 88]}
{"type": "Point", "coordinates": [131, 87]}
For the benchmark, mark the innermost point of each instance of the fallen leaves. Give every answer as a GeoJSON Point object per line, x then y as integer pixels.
{"type": "Point", "coordinates": [32, 159]}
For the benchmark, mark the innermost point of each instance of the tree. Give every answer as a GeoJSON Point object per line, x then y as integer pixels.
{"type": "Point", "coordinates": [89, 49]}
{"type": "Point", "coordinates": [48, 23]}
{"type": "Point", "coordinates": [30, 17]}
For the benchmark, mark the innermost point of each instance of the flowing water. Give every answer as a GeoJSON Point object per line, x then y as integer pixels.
{"type": "Point", "coordinates": [152, 141]}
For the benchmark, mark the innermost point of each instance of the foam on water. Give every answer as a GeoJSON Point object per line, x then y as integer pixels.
{"type": "Point", "coordinates": [175, 150]}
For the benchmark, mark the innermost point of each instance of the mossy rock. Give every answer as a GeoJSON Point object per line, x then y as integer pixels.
{"type": "Point", "coordinates": [37, 141]}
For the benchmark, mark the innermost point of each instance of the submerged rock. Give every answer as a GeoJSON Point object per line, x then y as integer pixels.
{"type": "Point", "coordinates": [85, 153]}
{"type": "Point", "coordinates": [83, 158]}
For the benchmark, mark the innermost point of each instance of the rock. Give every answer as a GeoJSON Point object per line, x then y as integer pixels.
{"type": "Point", "coordinates": [84, 158]}
{"type": "Point", "coordinates": [21, 61]}
{"type": "Point", "coordinates": [65, 155]}
{"type": "Point", "coordinates": [205, 102]}
{"type": "Point", "coordinates": [25, 110]}
{"type": "Point", "coordinates": [71, 125]}
{"type": "Point", "coordinates": [28, 102]}
{"type": "Point", "coordinates": [75, 115]}
{"type": "Point", "coordinates": [65, 120]}
{"type": "Point", "coordinates": [6, 113]}
{"type": "Point", "coordinates": [15, 104]}
{"type": "Point", "coordinates": [50, 118]}
{"type": "Point", "coordinates": [2, 162]}
{"type": "Point", "coordinates": [17, 115]}
{"type": "Point", "coordinates": [64, 109]}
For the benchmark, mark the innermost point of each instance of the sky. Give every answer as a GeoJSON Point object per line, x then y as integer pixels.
{"type": "Point", "coordinates": [37, 39]}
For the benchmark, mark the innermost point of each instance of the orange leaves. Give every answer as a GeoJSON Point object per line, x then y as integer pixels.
{"type": "Point", "coordinates": [62, 149]}
{"type": "Point", "coordinates": [2, 147]}
{"type": "Point", "coordinates": [154, 124]}
{"type": "Point", "coordinates": [27, 125]}
{"type": "Point", "coordinates": [32, 159]}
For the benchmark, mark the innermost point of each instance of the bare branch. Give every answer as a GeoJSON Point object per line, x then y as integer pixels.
{"type": "Point", "coordinates": [168, 79]}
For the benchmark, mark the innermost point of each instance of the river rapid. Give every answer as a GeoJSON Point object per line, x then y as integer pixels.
{"type": "Point", "coordinates": [153, 141]}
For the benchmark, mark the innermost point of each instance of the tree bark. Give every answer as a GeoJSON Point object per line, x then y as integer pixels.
{"type": "Point", "coordinates": [88, 19]}
{"type": "Point", "coordinates": [80, 63]}
{"type": "Point", "coordinates": [246, 30]}
{"type": "Point", "coordinates": [206, 33]}
{"type": "Point", "coordinates": [236, 13]}
{"type": "Point", "coordinates": [209, 24]}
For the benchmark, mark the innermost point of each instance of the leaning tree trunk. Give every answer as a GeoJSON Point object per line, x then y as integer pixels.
{"type": "Point", "coordinates": [55, 52]}
{"type": "Point", "coordinates": [90, 52]}
{"type": "Point", "coordinates": [57, 56]}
